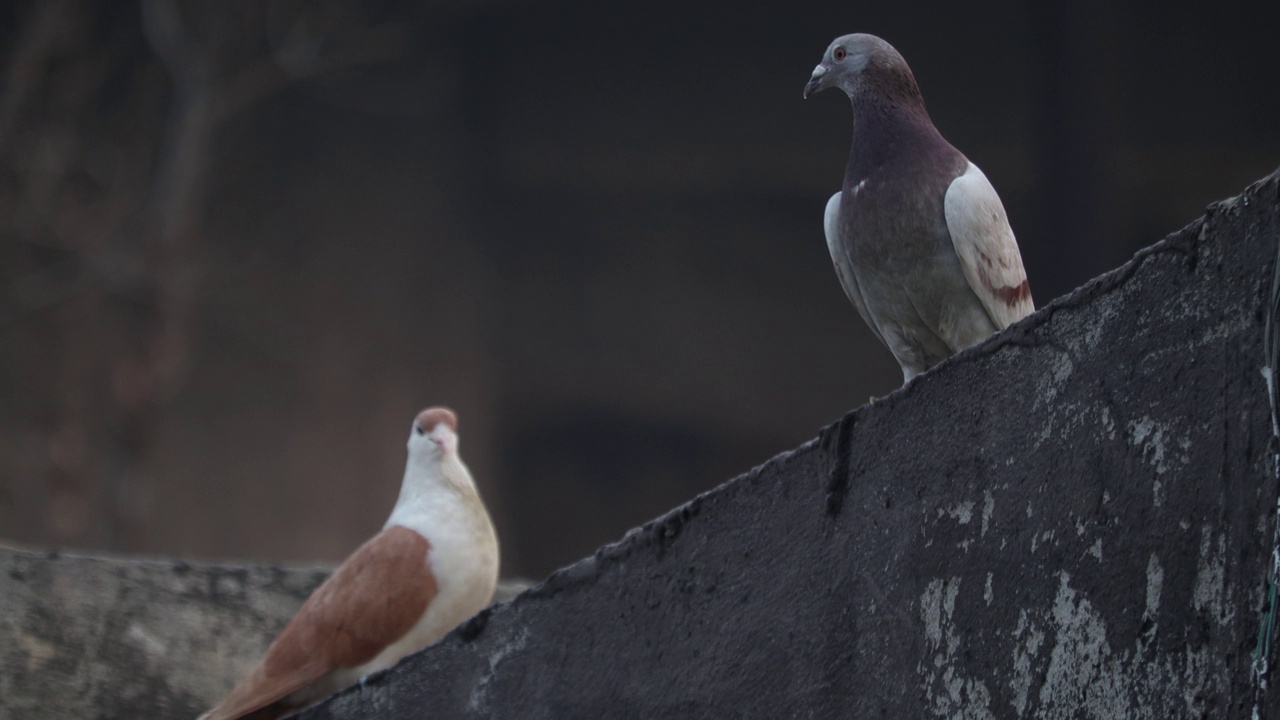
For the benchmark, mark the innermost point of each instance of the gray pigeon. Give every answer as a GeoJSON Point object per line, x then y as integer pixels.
{"type": "Point", "coordinates": [918, 236]}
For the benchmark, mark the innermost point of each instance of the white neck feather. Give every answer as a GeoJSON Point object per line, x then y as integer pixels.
{"type": "Point", "coordinates": [430, 482]}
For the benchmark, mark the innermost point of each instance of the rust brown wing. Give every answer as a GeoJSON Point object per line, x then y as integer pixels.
{"type": "Point", "coordinates": [369, 602]}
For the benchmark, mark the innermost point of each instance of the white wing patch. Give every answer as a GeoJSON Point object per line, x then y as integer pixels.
{"type": "Point", "coordinates": [831, 224]}
{"type": "Point", "coordinates": [988, 252]}
{"type": "Point", "coordinates": [840, 259]}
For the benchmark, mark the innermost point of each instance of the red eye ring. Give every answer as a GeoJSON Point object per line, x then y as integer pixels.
{"type": "Point", "coordinates": [838, 54]}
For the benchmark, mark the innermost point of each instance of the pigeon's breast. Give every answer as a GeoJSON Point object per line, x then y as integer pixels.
{"type": "Point", "coordinates": [895, 230]}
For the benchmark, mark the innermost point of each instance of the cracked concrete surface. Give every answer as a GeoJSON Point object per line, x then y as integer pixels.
{"type": "Point", "coordinates": [1072, 520]}
{"type": "Point", "coordinates": [119, 638]}
{"type": "Point", "coordinates": [114, 638]}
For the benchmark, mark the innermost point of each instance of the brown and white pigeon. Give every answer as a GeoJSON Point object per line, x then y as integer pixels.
{"type": "Point", "coordinates": [918, 236]}
{"type": "Point", "coordinates": [434, 565]}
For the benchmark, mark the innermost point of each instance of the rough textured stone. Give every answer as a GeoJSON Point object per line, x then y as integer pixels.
{"type": "Point", "coordinates": [1072, 520]}
{"type": "Point", "coordinates": [104, 638]}
{"type": "Point", "coordinates": [107, 638]}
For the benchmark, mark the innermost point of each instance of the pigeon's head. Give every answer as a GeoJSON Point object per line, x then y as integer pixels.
{"type": "Point", "coordinates": [860, 61]}
{"type": "Point", "coordinates": [435, 433]}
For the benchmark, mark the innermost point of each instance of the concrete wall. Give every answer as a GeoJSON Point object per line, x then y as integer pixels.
{"type": "Point", "coordinates": [118, 638]}
{"type": "Point", "coordinates": [1072, 520]}
{"type": "Point", "coordinates": [103, 638]}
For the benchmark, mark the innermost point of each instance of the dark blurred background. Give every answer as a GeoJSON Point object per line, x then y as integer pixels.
{"type": "Point", "coordinates": [243, 242]}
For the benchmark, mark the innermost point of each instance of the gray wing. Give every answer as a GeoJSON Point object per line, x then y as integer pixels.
{"type": "Point", "coordinates": [988, 252]}
{"type": "Point", "coordinates": [844, 267]}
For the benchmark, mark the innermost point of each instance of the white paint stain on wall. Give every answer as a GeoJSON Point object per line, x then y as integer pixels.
{"type": "Point", "coordinates": [950, 694]}
{"type": "Point", "coordinates": [1082, 671]}
{"type": "Point", "coordinates": [988, 508]}
{"type": "Point", "coordinates": [1148, 435]}
{"type": "Point", "coordinates": [961, 512]}
{"type": "Point", "coordinates": [1155, 585]}
{"type": "Point", "coordinates": [1063, 665]}
{"type": "Point", "coordinates": [1210, 592]}
{"type": "Point", "coordinates": [479, 699]}
{"type": "Point", "coordinates": [1029, 638]}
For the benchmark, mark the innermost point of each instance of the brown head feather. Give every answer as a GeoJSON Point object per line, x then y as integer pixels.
{"type": "Point", "coordinates": [429, 418]}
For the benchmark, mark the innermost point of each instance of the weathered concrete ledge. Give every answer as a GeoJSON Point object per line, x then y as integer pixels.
{"type": "Point", "coordinates": [106, 638]}
{"type": "Point", "coordinates": [121, 638]}
{"type": "Point", "coordinates": [1072, 520]}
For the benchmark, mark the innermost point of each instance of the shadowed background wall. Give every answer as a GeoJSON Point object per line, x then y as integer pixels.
{"type": "Point", "coordinates": [242, 243]}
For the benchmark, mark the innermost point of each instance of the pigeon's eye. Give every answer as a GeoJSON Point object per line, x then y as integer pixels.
{"type": "Point", "coordinates": [838, 54]}
{"type": "Point", "coordinates": [417, 429]}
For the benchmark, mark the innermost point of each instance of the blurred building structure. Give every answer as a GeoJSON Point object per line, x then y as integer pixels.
{"type": "Point", "coordinates": [242, 243]}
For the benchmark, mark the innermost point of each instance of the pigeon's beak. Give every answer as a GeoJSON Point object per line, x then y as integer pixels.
{"type": "Point", "coordinates": [815, 82]}
{"type": "Point", "coordinates": [445, 440]}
